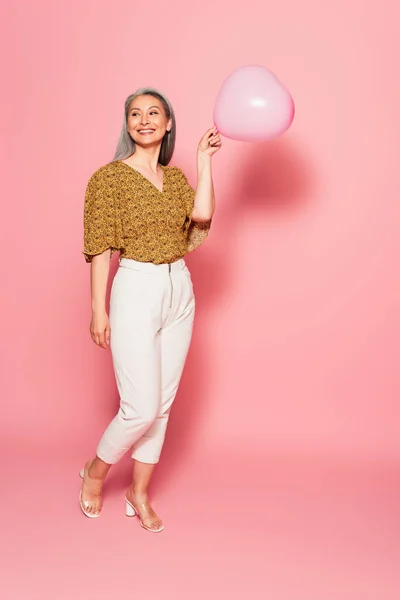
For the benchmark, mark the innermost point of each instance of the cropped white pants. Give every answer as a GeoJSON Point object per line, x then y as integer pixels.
{"type": "Point", "coordinates": [151, 318]}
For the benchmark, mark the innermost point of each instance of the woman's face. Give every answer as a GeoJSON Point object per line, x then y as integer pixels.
{"type": "Point", "coordinates": [147, 121]}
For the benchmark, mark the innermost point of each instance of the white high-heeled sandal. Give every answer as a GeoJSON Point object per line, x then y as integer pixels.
{"type": "Point", "coordinates": [86, 503]}
{"type": "Point", "coordinates": [131, 511]}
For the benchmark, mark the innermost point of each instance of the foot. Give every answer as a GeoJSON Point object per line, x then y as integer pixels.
{"type": "Point", "coordinates": [91, 491]}
{"type": "Point", "coordinates": [147, 516]}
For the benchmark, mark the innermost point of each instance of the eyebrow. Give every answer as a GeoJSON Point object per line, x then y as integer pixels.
{"type": "Point", "coordinates": [157, 107]}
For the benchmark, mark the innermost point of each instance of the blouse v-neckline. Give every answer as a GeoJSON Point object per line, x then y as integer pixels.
{"type": "Point", "coordinates": [146, 179]}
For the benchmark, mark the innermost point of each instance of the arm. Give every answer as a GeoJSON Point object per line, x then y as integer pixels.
{"type": "Point", "coordinates": [204, 201]}
{"type": "Point", "coordinates": [99, 270]}
{"type": "Point", "coordinates": [101, 227]}
{"type": "Point", "coordinates": [99, 325]}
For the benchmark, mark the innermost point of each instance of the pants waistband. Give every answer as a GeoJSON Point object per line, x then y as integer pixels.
{"type": "Point", "coordinates": [149, 267]}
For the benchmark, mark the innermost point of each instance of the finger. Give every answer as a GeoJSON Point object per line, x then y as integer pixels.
{"type": "Point", "coordinates": [102, 340]}
{"type": "Point", "coordinates": [108, 336]}
{"type": "Point", "coordinates": [209, 133]}
{"type": "Point", "coordinates": [96, 338]}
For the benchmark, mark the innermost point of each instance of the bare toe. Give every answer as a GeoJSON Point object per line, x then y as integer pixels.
{"type": "Point", "coordinates": [91, 495]}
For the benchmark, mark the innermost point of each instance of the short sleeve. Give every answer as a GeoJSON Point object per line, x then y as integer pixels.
{"type": "Point", "coordinates": [196, 231]}
{"type": "Point", "coordinates": [102, 227]}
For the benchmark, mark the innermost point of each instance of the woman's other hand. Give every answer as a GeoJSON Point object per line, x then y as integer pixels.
{"type": "Point", "coordinates": [100, 329]}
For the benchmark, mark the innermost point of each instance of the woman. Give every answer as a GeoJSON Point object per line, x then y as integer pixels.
{"type": "Point", "coordinates": [146, 210]}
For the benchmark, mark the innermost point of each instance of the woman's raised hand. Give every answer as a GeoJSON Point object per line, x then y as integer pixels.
{"type": "Point", "coordinates": [100, 329]}
{"type": "Point", "coordinates": [210, 143]}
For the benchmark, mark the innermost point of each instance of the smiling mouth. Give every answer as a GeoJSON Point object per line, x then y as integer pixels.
{"type": "Point", "coordinates": [146, 131]}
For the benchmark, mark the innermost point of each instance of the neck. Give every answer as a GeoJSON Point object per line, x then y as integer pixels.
{"type": "Point", "coordinates": [147, 158]}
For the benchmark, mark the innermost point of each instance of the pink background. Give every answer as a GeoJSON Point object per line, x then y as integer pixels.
{"type": "Point", "coordinates": [279, 473]}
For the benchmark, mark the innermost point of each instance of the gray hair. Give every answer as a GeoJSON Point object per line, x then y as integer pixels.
{"type": "Point", "coordinates": [126, 146]}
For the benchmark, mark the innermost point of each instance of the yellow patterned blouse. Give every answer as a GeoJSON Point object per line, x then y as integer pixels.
{"type": "Point", "coordinates": [124, 211]}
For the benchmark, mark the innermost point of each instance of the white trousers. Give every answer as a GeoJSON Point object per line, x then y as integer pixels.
{"type": "Point", "coordinates": [151, 318]}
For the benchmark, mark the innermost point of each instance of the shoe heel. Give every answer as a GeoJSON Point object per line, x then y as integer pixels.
{"type": "Point", "coordinates": [129, 510]}
{"type": "Point", "coordinates": [81, 473]}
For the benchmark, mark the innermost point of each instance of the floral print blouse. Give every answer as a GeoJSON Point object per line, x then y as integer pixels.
{"type": "Point", "coordinates": [124, 211]}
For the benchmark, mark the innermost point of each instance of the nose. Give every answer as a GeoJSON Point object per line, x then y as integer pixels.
{"type": "Point", "coordinates": [144, 120]}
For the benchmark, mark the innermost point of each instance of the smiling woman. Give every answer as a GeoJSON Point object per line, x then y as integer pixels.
{"type": "Point", "coordinates": [147, 103]}
{"type": "Point", "coordinates": [146, 210]}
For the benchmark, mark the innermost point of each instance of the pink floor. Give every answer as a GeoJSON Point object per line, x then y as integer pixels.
{"type": "Point", "coordinates": [235, 527]}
